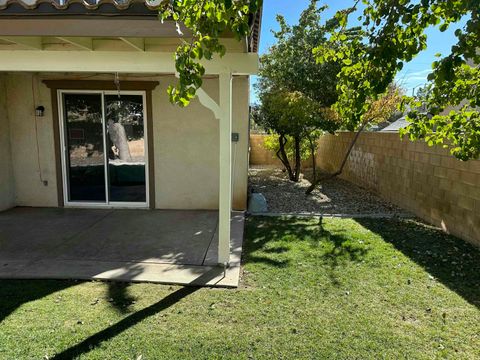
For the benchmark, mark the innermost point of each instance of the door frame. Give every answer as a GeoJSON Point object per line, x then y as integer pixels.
{"type": "Point", "coordinates": [64, 150]}
{"type": "Point", "coordinates": [144, 88]}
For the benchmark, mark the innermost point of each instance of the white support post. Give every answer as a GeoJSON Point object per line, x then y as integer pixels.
{"type": "Point", "coordinates": [225, 196]}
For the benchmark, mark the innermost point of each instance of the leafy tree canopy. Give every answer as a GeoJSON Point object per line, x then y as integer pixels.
{"type": "Point", "coordinates": [293, 114]}
{"type": "Point", "coordinates": [295, 118]}
{"type": "Point", "coordinates": [207, 20]}
{"type": "Point", "coordinates": [295, 92]}
{"type": "Point", "coordinates": [392, 33]}
{"type": "Point", "coordinates": [290, 64]}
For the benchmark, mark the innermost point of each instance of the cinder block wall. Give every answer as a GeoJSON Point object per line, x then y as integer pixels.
{"type": "Point", "coordinates": [427, 181]}
{"type": "Point", "coordinates": [259, 156]}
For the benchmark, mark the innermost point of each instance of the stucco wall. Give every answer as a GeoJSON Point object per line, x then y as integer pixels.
{"type": "Point", "coordinates": [185, 144]}
{"type": "Point", "coordinates": [27, 134]}
{"type": "Point", "coordinates": [187, 149]}
{"type": "Point", "coordinates": [7, 193]}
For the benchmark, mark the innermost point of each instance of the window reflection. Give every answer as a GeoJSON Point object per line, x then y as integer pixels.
{"type": "Point", "coordinates": [84, 137]}
{"type": "Point", "coordinates": [126, 147]}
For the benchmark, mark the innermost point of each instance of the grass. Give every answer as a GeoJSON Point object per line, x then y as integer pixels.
{"type": "Point", "coordinates": [350, 289]}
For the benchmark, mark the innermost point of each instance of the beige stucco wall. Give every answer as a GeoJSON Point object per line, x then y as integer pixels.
{"type": "Point", "coordinates": [185, 144]}
{"type": "Point", "coordinates": [187, 149]}
{"type": "Point", "coordinates": [31, 167]}
{"type": "Point", "coordinates": [7, 193]}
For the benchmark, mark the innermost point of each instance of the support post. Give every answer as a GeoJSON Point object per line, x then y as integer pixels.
{"type": "Point", "coordinates": [225, 195]}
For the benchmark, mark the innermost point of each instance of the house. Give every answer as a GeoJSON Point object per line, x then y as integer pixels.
{"type": "Point", "coordinates": [85, 120]}
{"type": "Point", "coordinates": [396, 125]}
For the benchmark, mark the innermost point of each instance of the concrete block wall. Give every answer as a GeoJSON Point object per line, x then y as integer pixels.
{"type": "Point", "coordinates": [425, 180]}
{"type": "Point", "coordinates": [259, 156]}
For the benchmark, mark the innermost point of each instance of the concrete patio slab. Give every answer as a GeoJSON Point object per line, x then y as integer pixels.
{"type": "Point", "coordinates": [174, 247]}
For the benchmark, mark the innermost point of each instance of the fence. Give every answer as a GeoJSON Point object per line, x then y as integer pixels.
{"type": "Point", "coordinates": [259, 156]}
{"type": "Point", "coordinates": [426, 181]}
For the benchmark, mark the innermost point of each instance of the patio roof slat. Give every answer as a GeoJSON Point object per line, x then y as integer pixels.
{"type": "Point", "coordinates": [136, 43]}
{"type": "Point", "coordinates": [31, 42]}
{"type": "Point", "coordinates": [85, 43]}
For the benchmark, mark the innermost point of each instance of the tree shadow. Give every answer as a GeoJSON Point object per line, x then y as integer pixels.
{"type": "Point", "coordinates": [117, 292]}
{"type": "Point", "coordinates": [270, 239]}
{"type": "Point", "coordinates": [262, 233]}
{"type": "Point", "coordinates": [119, 297]}
{"type": "Point", "coordinates": [452, 261]}
{"type": "Point", "coordinates": [340, 250]}
{"type": "Point", "coordinates": [15, 293]}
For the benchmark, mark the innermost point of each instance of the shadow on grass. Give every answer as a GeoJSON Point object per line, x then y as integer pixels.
{"type": "Point", "coordinates": [340, 250]}
{"type": "Point", "coordinates": [95, 340]}
{"type": "Point", "coordinates": [119, 297]}
{"type": "Point", "coordinates": [131, 320]}
{"type": "Point", "coordinates": [15, 293]}
{"type": "Point", "coordinates": [270, 240]}
{"type": "Point", "coordinates": [452, 261]}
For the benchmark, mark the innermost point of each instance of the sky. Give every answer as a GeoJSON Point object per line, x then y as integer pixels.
{"type": "Point", "coordinates": [413, 74]}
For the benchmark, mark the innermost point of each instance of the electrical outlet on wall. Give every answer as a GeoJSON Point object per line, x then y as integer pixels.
{"type": "Point", "coordinates": [235, 137]}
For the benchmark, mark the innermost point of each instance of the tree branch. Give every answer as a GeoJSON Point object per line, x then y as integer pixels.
{"type": "Point", "coordinates": [344, 162]}
{"type": "Point", "coordinates": [282, 155]}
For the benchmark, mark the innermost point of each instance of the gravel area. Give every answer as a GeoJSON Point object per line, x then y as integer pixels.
{"type": "Point", "coordinates": [335, 196]}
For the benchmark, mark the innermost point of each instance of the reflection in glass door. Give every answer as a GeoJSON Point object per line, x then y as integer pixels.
{"type": "Point", "coordinates": [126, 148]}
{"type": "Point", "coordinates": [105, 149]}
{"type": "Point", "coordinates": [85, 163]}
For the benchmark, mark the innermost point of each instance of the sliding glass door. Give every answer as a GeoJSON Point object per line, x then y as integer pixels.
{"type": "Point", "coordinates": [104, 158]}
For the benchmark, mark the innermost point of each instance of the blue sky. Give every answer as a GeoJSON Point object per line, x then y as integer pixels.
{"type": "Point", "coordinates": [413, 74]}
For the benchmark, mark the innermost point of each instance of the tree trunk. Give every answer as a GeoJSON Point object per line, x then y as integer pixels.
{"type": "Point", "coordinates": [314, 159]}
{"type": "Point", "coordinates": [344, 162]}
{"type": "Point", "coordinates": [118, 137]}
{"type": "Point", "coordinates": [282, 156]}
{"type": "Point", "coordinates": [298, 158]}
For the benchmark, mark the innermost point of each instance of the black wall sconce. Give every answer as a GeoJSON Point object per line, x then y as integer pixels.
{"type": "Point", "coordinates": [39, 111]}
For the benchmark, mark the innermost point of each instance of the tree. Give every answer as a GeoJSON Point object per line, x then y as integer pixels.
{"type": "Point", "coordinates": [118, 137]}
{"type": "Point", "coordinates": [378, 111]}
{"type": "Point", "coordinates": [291, 115]}
{"type": "Point", "coordinates": [207, 20]}
{"type": "Point", "coordinates": [295, 92]}
{"type": "Point", "coordinates": [393, 32]}
{"type": "Point", "coordinates": [290, 63]}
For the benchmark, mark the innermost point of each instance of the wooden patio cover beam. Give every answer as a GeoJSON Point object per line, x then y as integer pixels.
{"type": "Point", "coordinates": [118, 61]}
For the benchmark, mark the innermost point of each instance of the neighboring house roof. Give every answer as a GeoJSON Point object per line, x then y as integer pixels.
{"type": "Point", "coordinates": [396, 126]}
{"type": "Point", "coordinates": [83, 9]}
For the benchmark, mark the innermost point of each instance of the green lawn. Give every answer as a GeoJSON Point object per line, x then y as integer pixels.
{"type": "Point", "coordinates": [354, 289]}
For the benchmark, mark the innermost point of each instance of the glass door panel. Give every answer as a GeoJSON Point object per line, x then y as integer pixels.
{"type": "Point", "coordinates": [85, 153]}
{"type": "Point", "coordinates": [124, 121]}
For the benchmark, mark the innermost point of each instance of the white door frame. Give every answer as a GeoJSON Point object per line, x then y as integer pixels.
{"type": "Point", "coordinates": [63, 150]}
